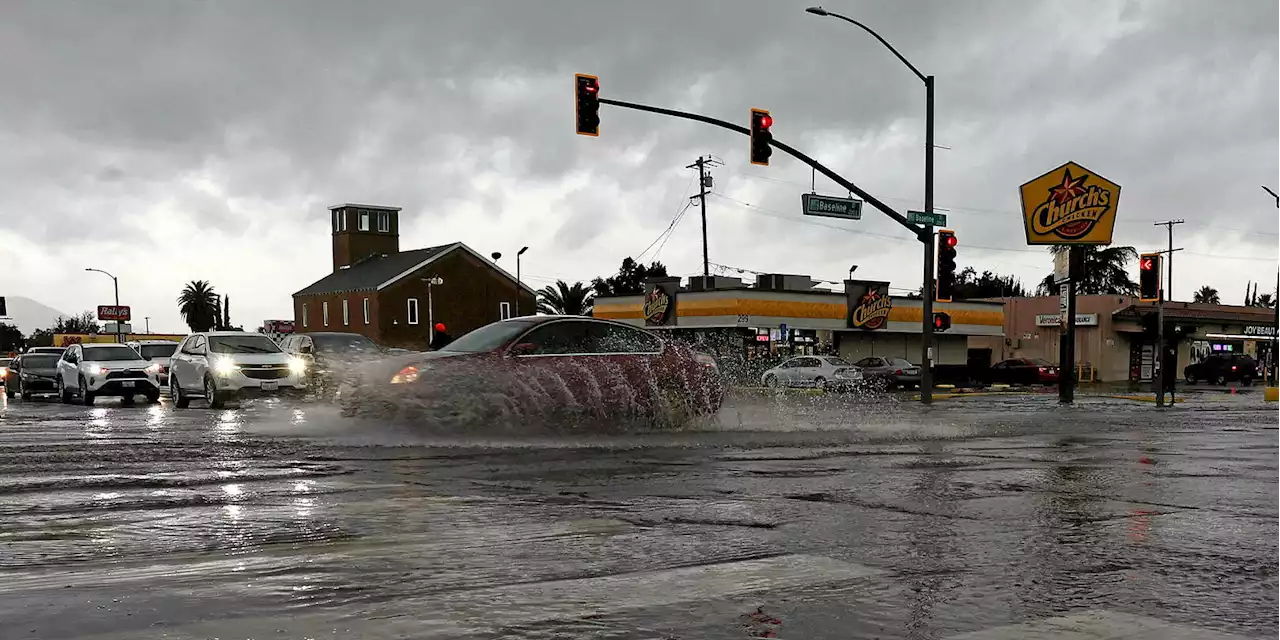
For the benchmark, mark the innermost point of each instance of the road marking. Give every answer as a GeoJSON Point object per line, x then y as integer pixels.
{"type": "Point", "coordinates": [1098, 625]}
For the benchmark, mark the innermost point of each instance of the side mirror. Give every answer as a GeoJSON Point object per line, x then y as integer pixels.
{"type": "Point", "coordinates": [306, 348]}
{"type": "Point", "coordinates": [524, 348]}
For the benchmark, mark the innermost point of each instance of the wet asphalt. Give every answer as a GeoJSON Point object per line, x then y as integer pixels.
{"type": "Point", "coordinates": [982, 518]}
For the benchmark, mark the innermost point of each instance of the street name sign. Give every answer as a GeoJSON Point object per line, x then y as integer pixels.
{"type": "Point", "coordinates": [920, 217]}
{"type": "Point", "coordinates": [813, 204]}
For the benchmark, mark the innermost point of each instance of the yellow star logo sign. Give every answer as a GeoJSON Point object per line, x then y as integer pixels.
{"type": "Point", "coordinates": [1069, 205]}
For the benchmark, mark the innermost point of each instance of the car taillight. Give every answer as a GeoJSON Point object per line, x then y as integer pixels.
{"type": "Point", "coordinates": [898, 372]}
{"type": "Point", "coordinates": [1044, 369]}
{"type": "Point", "coordinates": [1233, 367]}
{"type": "Point", "coordinates": [405, 375]}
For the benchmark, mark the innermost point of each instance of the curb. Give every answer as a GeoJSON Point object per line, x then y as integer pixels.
{"type": "Point", "coordinates": [1150, 398]}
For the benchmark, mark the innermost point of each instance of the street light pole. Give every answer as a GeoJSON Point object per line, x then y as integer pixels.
{"type": "Point", "coordinates": [518, 281]}
{"type": "Point", "coordinates": [115, 284]}
{"type": "Point", "coordinates": [927, 287]}
{"type": "Point", "coordinates": [431, 314]}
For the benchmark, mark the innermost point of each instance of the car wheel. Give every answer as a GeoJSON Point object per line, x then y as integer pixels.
{"type": "Point", "coordinates": [86, 395]}
{"type": "Point", "coordinates": [211, 393]}
{"type": "Point", "coordinates": [771, 381]}
{"type": "Point", "coordinates": [22, 392]}
{"type": "Point", "coordinates": [180, 398]}
{"type": "Point", "coordinates": [153, 396]}
{"type": "Point", "coordinates": [1219, 380]}
{"type": "Point", "coordinates": [1246, 381]}
{"type": "Point", "coordinates": [8, 390]}
{"type": "Point", "coordinates": [64, 394]}
{"type": "Point", "coordinates": [1191, 379]}
{"type": "Point", "coordinates": [820, 382]}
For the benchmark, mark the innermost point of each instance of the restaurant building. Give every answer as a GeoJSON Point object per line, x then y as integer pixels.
{"type": "Point", "coordinates": [784, 314]}
{"type": "Point", "coordinates": [1114, 344]}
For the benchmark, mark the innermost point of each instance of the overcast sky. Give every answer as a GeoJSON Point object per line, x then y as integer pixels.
{"type": "Point", "coordinates": [181, 140]}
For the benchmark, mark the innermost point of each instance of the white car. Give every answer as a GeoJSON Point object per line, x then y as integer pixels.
{"type": "Point", "coordinates": [223, 365]}
{"type": "Point", "coordinates": [92, 370]}
{"type": "Point", "coordinates": [823, 372]}
{"type": "Point", "coordinates": [158, 352]}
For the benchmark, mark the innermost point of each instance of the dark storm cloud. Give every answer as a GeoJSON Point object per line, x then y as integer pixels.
{"type": "Point", "coordinates": [300, 104]}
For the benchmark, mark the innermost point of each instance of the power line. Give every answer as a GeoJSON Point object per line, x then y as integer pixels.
{"type": "Point", "coordinates": [666, 233]}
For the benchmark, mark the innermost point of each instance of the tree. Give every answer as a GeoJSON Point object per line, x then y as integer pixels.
{"type": "Point", "coordinates": [1105, 271]}
{"type": "Point", "coordinates": [198, 305]}
{"type": "Point", "coordinates": [969, 285]}
{"type": "Point", "coordinates": [565, 300]}
{"type": "Point", "coordinates": [84, 322]}
{"type": "Point", "coordinates": [629, 281]}
{"type": "Point", "coordinates": [1207, 295]}
{"type": "Point", "coordinates": [10, 339]}
{"type": "Point", "coordinates": [1265, 300]}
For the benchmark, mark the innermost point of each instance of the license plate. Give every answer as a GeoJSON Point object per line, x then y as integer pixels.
{"type": "Point", "coordinates": [270, 386]}
{"type": "Point", "coordinates": [127, 384]}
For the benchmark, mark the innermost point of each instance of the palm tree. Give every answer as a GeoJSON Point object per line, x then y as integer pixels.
{"type": "Point", "coordinates": [1105, 272]}
{"type": "Point", "coordinates": [1207, 295]}
{"type": "Point", "coordinates": [565, 300]}
{"type": "Point", "coordinates": [198, 305]}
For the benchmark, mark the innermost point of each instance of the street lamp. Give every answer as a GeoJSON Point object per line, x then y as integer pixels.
{"type": "Point", "coordinates": [926, 318]}
{"type": "Point", "coordinates": [518, 254]}
{"type": "Point", "coordinates": [115, 283]}
{"type": "Point", "coordinates": [1273, 195]}
{"type": "Point", "coordinates": [431, 314]}
{"type": "Point", "coordinates": [852, 268]}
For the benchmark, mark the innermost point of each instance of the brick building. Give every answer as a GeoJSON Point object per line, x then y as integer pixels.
{"type": "Point", "coordinates": [381, 292]}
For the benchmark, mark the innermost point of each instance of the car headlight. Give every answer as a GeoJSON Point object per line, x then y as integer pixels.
{"type": "Point", "coordinates": [405, 375]}
{"type": "Point", "coordinates": [225, 367]}
{"type": "Point", "coordinates": [297, 366]}
{"type": "Point", "coordinates": [153, 368]}
{"type": "Point", "coordinates": [97, 369]}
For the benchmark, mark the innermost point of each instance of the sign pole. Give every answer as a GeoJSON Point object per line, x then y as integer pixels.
{"type": "Point", "coordinates": [1067, 343]}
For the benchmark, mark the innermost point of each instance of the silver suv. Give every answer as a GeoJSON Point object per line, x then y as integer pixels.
{"type": "Point", "coordinates": [223, 365]}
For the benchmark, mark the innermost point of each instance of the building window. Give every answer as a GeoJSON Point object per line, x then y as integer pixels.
{"type": "Point", "coordinates": [364, 219]}
{"type": "Point", "coordinates": [336, 215]}
{"type": "Point", "coordinates": [324, 313]}
{"type": "Point", "coordinates": [342, 219]}
{"type": "Point", "coordinates": [304, 315]}
{"type": "Point", "coordinates": [384, 221]}
{"type": "Point", "coordinates": [366, 311]}
{"type": "Point", "coordinates": [346, 317]}
{"type": "Point", "coordinates": [504, 310]}
{"type": "Point", "coordinates": [413, 311]}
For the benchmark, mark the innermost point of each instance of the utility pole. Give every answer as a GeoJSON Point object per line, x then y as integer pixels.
{"type": "Point", "coordinates": [1160, 353]}
{"type": "Point", "coordinates": [704, 181]}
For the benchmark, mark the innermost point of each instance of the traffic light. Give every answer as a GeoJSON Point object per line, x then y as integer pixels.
{"type": "Point", "coordinates": [946, 283]}
{"type": "Point", "coordinates": [760, 137]}
{"type": "Point", "coordinates": [941, 321]}
{"type": "Point", "coordinates": [587, 90]}
{"type": "Point", "coordinates": [1149, 277]}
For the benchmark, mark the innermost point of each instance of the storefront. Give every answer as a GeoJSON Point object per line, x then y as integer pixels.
{"type": "Point", "coordinates": [754, 324]}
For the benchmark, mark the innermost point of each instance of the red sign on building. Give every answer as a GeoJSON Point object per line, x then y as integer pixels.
{"type": "Point", "coordinates": [113, 312]}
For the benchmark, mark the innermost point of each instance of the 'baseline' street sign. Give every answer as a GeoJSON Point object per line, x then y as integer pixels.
{"type": "Point", "coordinates": [920, 217]}
{"type": "Point", "coordinates": [829, 207]}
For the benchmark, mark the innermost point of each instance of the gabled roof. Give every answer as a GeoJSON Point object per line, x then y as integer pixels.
{"type": "Point", "coordinates": [381, 272]}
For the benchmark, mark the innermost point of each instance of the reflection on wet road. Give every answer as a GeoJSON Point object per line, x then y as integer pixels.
{"type": "Point", "coordinates": [985, 518]}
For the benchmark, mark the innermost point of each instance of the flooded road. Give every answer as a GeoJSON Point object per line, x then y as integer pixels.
{"type": "Point", "coordinates": [793, 517]}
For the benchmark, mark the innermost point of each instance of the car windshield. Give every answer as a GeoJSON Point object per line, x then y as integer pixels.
{"type": "Point", "coordinates": [39, 361]}
{"type": "Point", "coordinates": [150, 351]}
{"type": "Point", "coordinates": [242, 344]}
{"type": "Point", "coordinates": [109, 354]}
{"type": "Point", "coordinates": [489, 337]}
{"type": "Point", "coordinates": [837, 361]}
{"type": "Point", "coordinates": [900, 362]}
{"type": "Point", "coordinates": [343, 343]}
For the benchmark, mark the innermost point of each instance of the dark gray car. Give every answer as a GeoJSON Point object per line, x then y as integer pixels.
{"type": "Point", "coordinates": [32, 373]}
{"type": "Point", "coordinates": [889, 372]}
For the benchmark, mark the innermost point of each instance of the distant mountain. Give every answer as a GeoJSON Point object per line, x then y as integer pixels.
{"type": "Point", "coordinates": [29, 315]}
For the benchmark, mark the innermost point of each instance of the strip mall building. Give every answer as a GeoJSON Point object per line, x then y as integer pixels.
{"type": "Point", "coordinates": [784, 315]}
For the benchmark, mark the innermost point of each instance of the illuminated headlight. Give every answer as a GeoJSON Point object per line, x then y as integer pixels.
{"type": "Point", "coordinates": [97, 369]}
{"type": "Point", "coordinates": [153, 369]}
{"type": "Point", "coordinates": [225, 367]}
{"type": "Point", "coordinates": [4, 371]}
{"type": "Point", "coordinates": [297, 366]}
{"type": "Point", "coordinates": [405, 375]}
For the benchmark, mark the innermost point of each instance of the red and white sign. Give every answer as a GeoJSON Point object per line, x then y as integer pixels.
{"type": "Point", "coordinates": [277, 326]}
{"type": "Point", "coordinates": [113, 312]}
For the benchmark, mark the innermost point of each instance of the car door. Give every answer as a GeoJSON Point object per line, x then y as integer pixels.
{"type": "Point", "coordinates": [554, 361]}
{"type": "Point", "coordinates": [634, 368]}
{"type": "Point", "coordinates": [787, 372]}
{"type": "Point", "coordinates": [186, 370]}
{"type": "Point", "coordinates": [68, 370]}
{"type": "Point", "coordinates": [807, 370]}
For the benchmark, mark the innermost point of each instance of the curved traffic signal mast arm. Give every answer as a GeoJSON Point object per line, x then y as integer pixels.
{"type": "Point", "coordinates": [923, 234]}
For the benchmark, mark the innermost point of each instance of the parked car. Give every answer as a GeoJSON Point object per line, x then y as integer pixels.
{"type": "Point", "coordinates": [330, 356]}
{"type": "Point", "coordinates": [553, 364]}
{"type": "Point", "coordinates": [92, 370]}
{"type": "Point", "coordinates": [1023, 371]}
{"type": "Point", "coordinates": [32, 373]}
{"type": "Point", "coordinates": [220, 366]}
{"type": "Point", "coordinates": [821, 372]}
{"type": "Point", "coordinates": [1220, 369]}
{"type": "Point", "coordinates": [889, 372]}
{"type": "Point", "coordinates": [157, 351]}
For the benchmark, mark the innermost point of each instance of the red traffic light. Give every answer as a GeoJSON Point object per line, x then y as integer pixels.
{"type": "Point", "coordinates": [1148, 264]}
{"type": "Point", "coordinates": [766, 121]}
{"type": "Point", "coordinates": [949, 240]}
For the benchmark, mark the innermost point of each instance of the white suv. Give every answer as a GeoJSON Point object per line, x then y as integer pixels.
{"type": "Point", "coordinates": [221, 365]}
{"type": "Point", "coordinates": [93, 370]}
